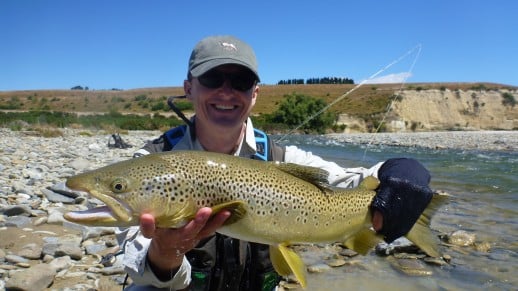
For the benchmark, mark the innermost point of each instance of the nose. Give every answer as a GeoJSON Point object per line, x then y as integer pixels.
{"type": "Point", "coordinates": [227, 87]}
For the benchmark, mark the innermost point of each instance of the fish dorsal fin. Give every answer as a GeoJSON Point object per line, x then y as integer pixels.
{"type": "Point", "coordinates": [236, 208]}
{"type": "Point", "coordinates": [420, 234]}
{"type": "Point", "coordinates": [315, 176]}
{"type": "Point", "coordinates": [286, 262]}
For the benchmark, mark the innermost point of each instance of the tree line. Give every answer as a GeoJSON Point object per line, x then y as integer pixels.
{"type": "Point", "coordinates": [324, 80]}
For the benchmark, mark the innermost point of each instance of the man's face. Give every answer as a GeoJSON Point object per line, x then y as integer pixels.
{"type": "Point", "coordinates": [221, 96]}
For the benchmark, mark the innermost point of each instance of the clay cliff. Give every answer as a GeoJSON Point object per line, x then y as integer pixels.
{"type": "Point", "coordinates": [434, 109]}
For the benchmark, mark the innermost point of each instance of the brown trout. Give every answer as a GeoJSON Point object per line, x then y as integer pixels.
{"type": "Point", "coordinates": [271, 203]}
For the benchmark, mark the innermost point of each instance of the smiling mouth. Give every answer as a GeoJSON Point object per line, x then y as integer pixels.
{"type": "Point", "coordinates": [224, 107]}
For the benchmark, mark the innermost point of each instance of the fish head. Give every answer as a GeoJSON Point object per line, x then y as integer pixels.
{"type": "Point", "coordinates": [119, 186]}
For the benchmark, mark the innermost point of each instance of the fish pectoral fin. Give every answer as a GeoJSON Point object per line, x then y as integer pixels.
{"type": "Point", "coordinates": [237, 209]}
{"type": "Point", "coordinates": [178, 218]}
{"type": "Point", "coordinates": [286, 262]}
{"type": "Point", "coordinates": [363, 241]}
{"type": "Point", "coordinates": [421, 234]}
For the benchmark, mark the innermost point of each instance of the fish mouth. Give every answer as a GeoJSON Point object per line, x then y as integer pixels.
{"type": "Point", "coordinates": [116, 211]}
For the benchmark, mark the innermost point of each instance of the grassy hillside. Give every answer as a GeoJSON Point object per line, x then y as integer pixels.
{"type": "Point", "coordinates": [368, 99]}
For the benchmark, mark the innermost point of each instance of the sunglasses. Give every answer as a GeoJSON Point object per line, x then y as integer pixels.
{"type": "Point", "coordinates": [241, 81]}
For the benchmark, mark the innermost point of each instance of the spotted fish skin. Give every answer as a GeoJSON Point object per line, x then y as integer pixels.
{"type": "Point", "coordinates": [271, 203]}
{"type": "Point", "coordinates": [279, 205]}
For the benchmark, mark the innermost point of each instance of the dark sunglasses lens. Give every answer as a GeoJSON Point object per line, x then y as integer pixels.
{"type": "Point", "coordinates": [242, 81]}
{"type": "Point", "coordinates": [212, 79]}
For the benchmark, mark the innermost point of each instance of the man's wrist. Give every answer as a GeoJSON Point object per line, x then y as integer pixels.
{"type": "Point", "coordinates": [164, 267]}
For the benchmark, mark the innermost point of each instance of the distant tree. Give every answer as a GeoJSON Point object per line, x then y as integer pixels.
{"type": "Point", "coordinates": [323, 80]}
{"type": "Point", "coordinates": [296, 108]}
{"type": "Point", "coordinates": [77, 88]}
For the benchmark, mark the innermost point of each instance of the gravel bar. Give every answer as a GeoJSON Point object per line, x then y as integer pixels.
{"type": "Point", "coordinates": [466, 140]}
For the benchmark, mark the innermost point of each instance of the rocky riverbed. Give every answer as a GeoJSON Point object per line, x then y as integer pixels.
{"type": "Point", "coordinates": [465, 140]}
{"type": "Point", "coordinates": [39, 250]}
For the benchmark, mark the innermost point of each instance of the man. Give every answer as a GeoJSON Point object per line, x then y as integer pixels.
{"type": "Point", "coordinates": [222, 84]}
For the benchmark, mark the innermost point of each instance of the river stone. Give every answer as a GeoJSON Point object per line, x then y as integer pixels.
{"type": "Point", "coordinates": [94, 248]}
{"type": "Point", "coordinates": [461, 238]}
{"type": "Point", "coordinates": [337, 262]}
{"type": "Point", "coordinates": [401, 244]}
{"type": "Point", "coordinates": [89, 232]}
{"type": "Point", "coordinates": [34, 173]}
{"type": "Point", "coordinates": [94, 147]}
{"type": "Point", "coordinates": [18, 221]}
{"type": "Point", "coordinates": [412, 267]}
{"type": "Point", "coordinates": [31, 251]}
{"type": "Point", "coordinates": [348, 253]}
{"type": "Point", "coordinates": [483, 247]}
{"type": "Point", "coordinates": [61, 263]}
{"type": "Point", "coordinates": [61, 188]}
{"type": "Point", "coordinates": [15, 259]}
{"type": "Point", "coordinates": [318, 268]}
{"type": "Point", "coordinates": [67, 249]}
{"type": "Point", "coordinates": [57, 197]}
{"type": "Point", "coordinates": [18, 210]}
{"type": "Point", "coordinates": [80, 164]}
{"type": "Point", "coordinates": [40, 220]}
{"type": "Point", "coordinates": [55, 217]}
{"type": "Point", "coordinates": [37, 277]}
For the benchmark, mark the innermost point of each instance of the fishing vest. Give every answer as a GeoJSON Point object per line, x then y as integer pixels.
{"type": "Point", "coordinates": [266, 149]}
{"type": "Point", "coordinates": [224, 263]}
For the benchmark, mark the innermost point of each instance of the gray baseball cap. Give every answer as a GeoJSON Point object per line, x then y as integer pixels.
{"type": "Point", "coordinates": [215, 51]}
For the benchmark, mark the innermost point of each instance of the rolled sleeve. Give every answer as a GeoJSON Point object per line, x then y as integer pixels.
{"type": "Point", "coordinates": [338, 176]}
{"type": "Point", "coordinates": [135, 263]}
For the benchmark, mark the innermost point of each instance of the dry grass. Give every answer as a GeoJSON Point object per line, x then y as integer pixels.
{"type": "Point", "coordinates": [368, 99]}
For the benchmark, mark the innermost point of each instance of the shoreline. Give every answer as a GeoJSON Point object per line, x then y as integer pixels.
{"type": "Point", "coordinates": [506, 141]}
{"type": "Point", "coordinates": [495, 140]}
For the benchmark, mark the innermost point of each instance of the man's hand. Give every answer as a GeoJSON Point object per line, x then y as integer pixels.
{"type": "Point", "coordinates": [402, 197]}
{"type": "Point", "coordinates": [168, 245]}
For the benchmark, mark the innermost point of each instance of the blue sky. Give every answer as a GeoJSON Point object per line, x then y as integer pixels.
{"type": "Point", "coordinates": [103, 44]}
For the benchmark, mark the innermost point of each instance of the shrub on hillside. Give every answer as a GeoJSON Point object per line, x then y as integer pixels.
{"type": "Point", "coordinates": [508, 99]}
{"type": "Point", "coordinates": [295, 109]}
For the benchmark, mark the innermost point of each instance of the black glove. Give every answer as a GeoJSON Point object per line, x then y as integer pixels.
{"type": "Point", "coordinates": [402, 196]}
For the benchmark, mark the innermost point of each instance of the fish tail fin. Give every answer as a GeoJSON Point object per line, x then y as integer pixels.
{"type": "Point", "coordinates": [421, 234]}
{"type": "Point", "coordinates": [286, 262]}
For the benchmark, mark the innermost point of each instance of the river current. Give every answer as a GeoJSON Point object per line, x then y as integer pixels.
{"type": "Point", "coordinates": [484, 200]}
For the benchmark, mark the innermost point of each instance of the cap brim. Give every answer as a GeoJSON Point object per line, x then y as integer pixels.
{"type": "Point", "coordinates": [211, 64]}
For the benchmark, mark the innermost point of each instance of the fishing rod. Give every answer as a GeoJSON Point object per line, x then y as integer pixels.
{"type": "Point", "coordinates": [341, 97]}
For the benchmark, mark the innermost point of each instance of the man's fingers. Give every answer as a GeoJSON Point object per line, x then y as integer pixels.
{"type": "Point", "coordinates": [214, 223]}
{"type": "Point", "coordinates": [147, 225]}
{"type": "Point", "coordinates": [200, 227]}
{"type": "Point", "coordinates": [377, 220]}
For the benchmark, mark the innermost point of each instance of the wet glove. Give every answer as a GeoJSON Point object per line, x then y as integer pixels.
{"type": "Point", "coordinates": [402, 196]}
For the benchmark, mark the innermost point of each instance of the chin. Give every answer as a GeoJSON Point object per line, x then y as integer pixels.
{"type": "Point", "coordinates": [227, 122]}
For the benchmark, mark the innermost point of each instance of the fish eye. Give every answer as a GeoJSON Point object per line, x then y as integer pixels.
{"type": "Point", "coordinates": [119, 185]}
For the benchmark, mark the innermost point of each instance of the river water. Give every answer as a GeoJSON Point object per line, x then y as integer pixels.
{"type": "Point", "coordinates": [484, 190]}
